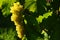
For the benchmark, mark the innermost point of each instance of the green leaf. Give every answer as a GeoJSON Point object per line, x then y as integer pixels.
{"type": "Point", "coordinates": [31, 5]}
{"type": "Point", "coordinates": [46, 37]}
{"type": "Point", "coordinates": [40, 18]}
{"type": "Point", "coordinates": [24, 37]}
{"type": "Point", "coordinates": [5, 5]}
{"type": "Point", "coordinates": [25, 21]}
{"type": "Point", "coordinates": [46, 15]}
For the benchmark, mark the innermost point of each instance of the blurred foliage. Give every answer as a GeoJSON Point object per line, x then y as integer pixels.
{"type": "Point", "coordinates": [31, 5]}
{"type": "Point", "coordinates": [7, 35]}
{"type": "Point", "coordinates": [41, 20]}
{"type": "Point", "coordinates": [5, 6]}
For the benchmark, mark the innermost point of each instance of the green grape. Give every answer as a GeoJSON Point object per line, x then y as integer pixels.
{"type": "Point", "coordinates": [17, 18]}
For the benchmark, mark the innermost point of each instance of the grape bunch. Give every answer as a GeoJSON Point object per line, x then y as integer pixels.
{"type": "Point", "coordinates": [17, 18]}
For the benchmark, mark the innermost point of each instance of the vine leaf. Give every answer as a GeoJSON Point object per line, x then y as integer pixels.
{"type": "Point", "coordinates": [46, 15]}
{"type": "Point", "coordinates": [31, 5]}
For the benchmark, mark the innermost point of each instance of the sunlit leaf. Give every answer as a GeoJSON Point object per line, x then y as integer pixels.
{"type": "Point", "coordinates": [5, 5]}
{"type": "Point", "coordinates": [40, 18]}
{"type": "Point", "coordinates": [31, 5]}
{"type": "Point", "coordinates": [46, 15]}
{"type": "Point", "coordinates": [46, 37]}
{"type": "Point", "coordinates": [25, 21]}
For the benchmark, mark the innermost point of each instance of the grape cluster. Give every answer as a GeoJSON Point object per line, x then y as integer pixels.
{"type": "Point", "coordinates": [17, 18]}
